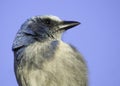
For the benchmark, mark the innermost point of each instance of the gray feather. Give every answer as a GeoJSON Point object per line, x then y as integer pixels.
{"type": "Point", "coordinates": [43, 59]}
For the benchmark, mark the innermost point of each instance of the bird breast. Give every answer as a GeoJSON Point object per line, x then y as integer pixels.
{"type": "Point", "coordinates": [52, 64]}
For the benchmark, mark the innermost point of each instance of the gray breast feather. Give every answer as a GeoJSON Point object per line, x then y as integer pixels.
{"type": "Point", "coordinates": [54, 65]}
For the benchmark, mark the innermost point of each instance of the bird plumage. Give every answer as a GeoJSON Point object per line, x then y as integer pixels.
{"type": "Point", "coordinates": [41, 58]}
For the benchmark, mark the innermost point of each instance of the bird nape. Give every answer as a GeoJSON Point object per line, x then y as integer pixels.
{"type": "Point", "coordinates": [41, 58]}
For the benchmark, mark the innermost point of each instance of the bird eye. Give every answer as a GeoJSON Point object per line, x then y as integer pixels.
{"type": "Point", "coordinates": [47, 21]}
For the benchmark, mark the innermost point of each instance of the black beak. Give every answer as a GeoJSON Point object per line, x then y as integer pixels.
{"type": "Point", "coordinates": [65, 25]}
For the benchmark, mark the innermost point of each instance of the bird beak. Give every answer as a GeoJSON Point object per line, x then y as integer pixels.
{"type": "Point", "coordinates": [65, 25]}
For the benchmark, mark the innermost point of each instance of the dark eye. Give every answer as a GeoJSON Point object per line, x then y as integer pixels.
{"type": "Point", "coordinates": [47, 21]}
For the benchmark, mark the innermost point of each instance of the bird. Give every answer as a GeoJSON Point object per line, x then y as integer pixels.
{"type": "Point", "coordinates": [42, 58]}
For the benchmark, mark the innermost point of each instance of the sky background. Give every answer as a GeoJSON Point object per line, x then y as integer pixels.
{"type": "Point", "coordinates": [97, 38]}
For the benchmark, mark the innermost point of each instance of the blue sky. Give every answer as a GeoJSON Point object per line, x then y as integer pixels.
{"type": "Point", "coordinates": [97, 38]}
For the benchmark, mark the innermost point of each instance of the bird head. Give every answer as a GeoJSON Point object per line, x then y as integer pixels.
{"type": "Point", "coordinates": [41, 28]}
{"type": "Point", "coordinates": [47, 27]}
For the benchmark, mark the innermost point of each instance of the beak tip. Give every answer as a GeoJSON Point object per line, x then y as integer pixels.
{"type": "Point", "coordinates": [78, 23]}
